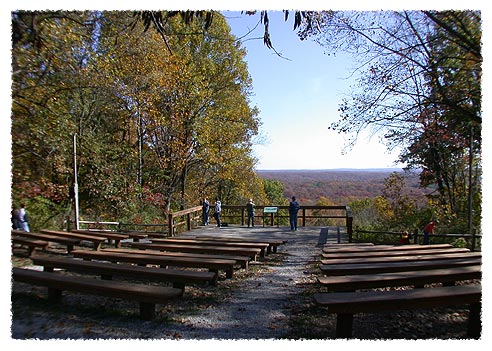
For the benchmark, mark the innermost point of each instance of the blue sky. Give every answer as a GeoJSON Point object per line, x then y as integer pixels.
{"type": "Point", "coordinates": [298, 97]}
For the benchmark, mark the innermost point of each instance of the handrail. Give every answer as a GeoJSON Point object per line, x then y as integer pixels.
{"type": "Point", "coordinates": [193, 213]}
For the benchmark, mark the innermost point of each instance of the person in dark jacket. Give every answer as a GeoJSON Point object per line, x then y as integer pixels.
{"type": "Point", "coordinates": [250, 208]}
{"type": "Point", "coordinates": [293, 209]}
{"type": "Point", "coordinates": [205, 210]}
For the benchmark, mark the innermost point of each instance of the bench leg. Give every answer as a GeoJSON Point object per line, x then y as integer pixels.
{"type": "Point", "coordinates": [147, 310]}
{"type": "Point", "coordinates": [344, 325]}
{"type": "Point", "coordinates": [54, 295]}
{"type": "Point", "coordinates": [269, 250]}
{"type": "Point", "coordinates": [69, 248]}
{"type": "Point", "coordinates": [179, 285]}
{"type": "Point", "coordinates": [97, 246]}
{"type": "Point", "coordinates": [474, 321]}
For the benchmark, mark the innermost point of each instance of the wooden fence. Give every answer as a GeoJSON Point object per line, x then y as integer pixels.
{"type": "Point", "coordinates": [473, 241]}
{"type": "Point", "coordinates": [189, 218]}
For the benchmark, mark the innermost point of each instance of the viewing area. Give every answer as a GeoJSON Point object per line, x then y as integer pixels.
{"type": "Point", "coordinates": [155, 268]}
{"type": "Point", "coordinates": [439, 274]}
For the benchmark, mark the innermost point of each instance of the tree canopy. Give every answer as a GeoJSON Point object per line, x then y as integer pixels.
{"type": "Point", "coordinates": [418, 87]}
{"type": "Point", "coordinates": [156, 130]}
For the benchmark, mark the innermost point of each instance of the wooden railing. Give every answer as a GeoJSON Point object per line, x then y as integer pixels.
{"type": "Point", "coordinates": [236, 214]}
{"type": "Point", "coordinates": [473, 241]}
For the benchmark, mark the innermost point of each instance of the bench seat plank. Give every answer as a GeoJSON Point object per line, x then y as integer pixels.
{"type": "Point", "coordinates": [146, 295]}
{"type": "Point", "coordinates": [96, 240]}
{"type": "Point", "coordinates": [213, 265]}
{"type": "Point", "coordinates": [262, 246]}
{"type": "Point", "coordinates": [243, 261]}
{"type": "Point", "coordinates": [333, 248]}
{"type": "Point", "coordinates": [273, 243]}
{"type": "Point", "coordinates": [107, 270]}
{"type": "Point", "coordinates": [418, 278]}
{"type": "Point", "coordinates": [364, 254]}
{"type": "Point", "coordinates": [221, 250]}
{"type": "Point", "coordinates": [388, 267]}
{"type": "Point", "coordinates": [346, 304]}
{"type": "Point", "coordinates": [117, 237]}
{"type": "Point", "coordinates": [31, 243]}
{"type": "Point", "coordinates": [403, 258]}
{"type": "Point", "coordinates": [69, 242]}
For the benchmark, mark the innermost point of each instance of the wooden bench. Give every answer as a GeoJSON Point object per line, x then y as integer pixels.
{"type": "Point", "coordinates": [262, 246]}
{"type": "Point", "coordinates": [388, 267]}
{"type": "Point", "coordinates": [179, 278]}
{"type": "Point", "coordinates": [213, 265]}
{"type": "Point", "coordinates": [116, 237]}
{"type": "Point", "coordinates": [69, 242]}
{"type": "Point", "coordinates": [346, 304]}
{"type": "Point", "coordinates": [204, 249]}
{"type": "Point", "coordinates": [147, 295]}
{"type": "Point", "coordinates": [30, 243]}
{"type": "Point", "coordinates": [447, 276]}
{"type": "Point", "coordinates": [405, 258]}
{"type": "Point", "coordinates": [243, 261]}
{"type": "Point", "coordinates": [96, 240]}
{"type": "Point", "coordinates": [334, 248]}
{"type": "Point", "coordinates": [273, 244]}
{"type": "Point", "coordinates": [367, 254]}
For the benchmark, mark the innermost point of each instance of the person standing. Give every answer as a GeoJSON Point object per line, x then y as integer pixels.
{"type": "Point", "coordinates": [205, 210]}
{"type": "Point", "coordinates": [23, 219]}
{"type": "Point", "coordinates": [217, 210]}
{"type": "Point", "coordinates": [293, 209]}
{"type": "Point", "coordinates": [428, 230]}
{"type": "Point", "coordinates": [15, 219]}
{"type": "Point", "coordinates": [250, 208]}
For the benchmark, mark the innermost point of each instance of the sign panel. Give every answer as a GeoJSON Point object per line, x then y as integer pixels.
{"type": "Point", "coordinates": [270, 210]}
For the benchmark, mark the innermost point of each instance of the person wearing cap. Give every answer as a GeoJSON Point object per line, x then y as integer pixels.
{"type": "Point", "coordinates": [293, 209]}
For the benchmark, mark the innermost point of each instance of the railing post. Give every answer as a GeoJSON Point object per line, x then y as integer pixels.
{"type": "Point", "coordinates": [474, 240]}
{"type": "Point", "coordinates": [188, 221]}
{"type": "Point", "coordinates": [242, 216]}
{"type": "Point", "coordinates": [303, 217]}
{"type": "Point", "coordinates": [349, 222]}
{"type": "Point", "coordinates": [170, 225]}
{"type": "Point", "coordinates": [415, 236]}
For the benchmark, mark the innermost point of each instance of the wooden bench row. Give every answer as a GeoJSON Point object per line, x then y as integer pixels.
{"type": "Point", "coordinates": [68, 242]}
{"type": "Point", "coordinates": [346, 304]}
{"type": "Point", "coordinates": [201, 249]}
{"type": "Point", "coordinates": [212, 264]}
{"type": "Point", "coordinates": [273, 244]}
{"type": "Point", "coordinates": [242, 261]}
{"type": "Point", "coordinates": [30, 243]}
{"type": "Point", "coordinates": [214, 243]}
{"type": "Point", "coordinates": [147, 295]}
{"type": "Point", "coordinates": [178, 277]}
{"type": "Point", "coordinates": [347, 281]}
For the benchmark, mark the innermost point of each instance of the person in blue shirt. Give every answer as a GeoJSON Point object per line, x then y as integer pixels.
{"type": "Point", "coordinates": [293, 209]}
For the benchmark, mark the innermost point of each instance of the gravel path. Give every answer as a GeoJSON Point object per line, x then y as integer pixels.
{"type": "Point", "coordinates": [260, 308]}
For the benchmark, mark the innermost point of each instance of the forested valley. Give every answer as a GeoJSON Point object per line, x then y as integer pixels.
{"type": "Point", "coordinates": [340, 187]}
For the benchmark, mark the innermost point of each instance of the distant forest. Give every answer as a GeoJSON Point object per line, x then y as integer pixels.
{"type": "Point", "coordinates": [339, 186]}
